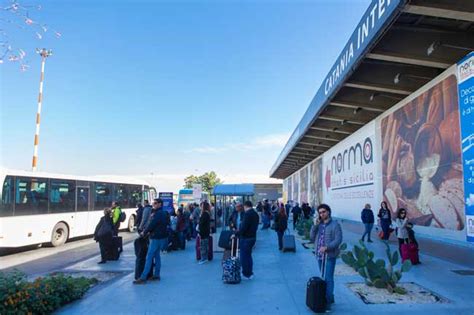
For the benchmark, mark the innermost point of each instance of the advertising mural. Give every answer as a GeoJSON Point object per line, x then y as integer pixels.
{"type": "Point", "coordinates": [421, 158]}
{"type": "Point", "coordinates": [290, 188]}
{"type": "Point", "coordinates": [285, 190]}
{"type": "Point", "coordinates": [349, 174]}
{"type": "Point", "coordinates": [316, 183]}
{"type": "Point", "coordinates": [465, 71]}
{"type": "Point", "coordinates": [296, 184]}
{"type": "Point", "coordinates": [304, 185]}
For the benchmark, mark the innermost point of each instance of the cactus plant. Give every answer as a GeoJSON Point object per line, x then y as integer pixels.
{"type": "Point", "coordinates": [378, 274]}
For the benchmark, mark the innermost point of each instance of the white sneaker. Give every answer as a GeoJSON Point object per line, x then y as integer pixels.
{"type": "Point", "coordinates": [201, 262]}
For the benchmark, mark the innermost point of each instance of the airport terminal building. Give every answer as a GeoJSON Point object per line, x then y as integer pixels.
{"type": "Point", "coordinates": [394, 121]}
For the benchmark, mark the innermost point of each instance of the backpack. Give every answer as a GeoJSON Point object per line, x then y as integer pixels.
{"type": "Point", "coordinates": [122, 216]}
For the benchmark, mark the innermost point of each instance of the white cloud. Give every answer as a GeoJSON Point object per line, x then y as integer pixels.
{"type": "Point", "coordinates": [470, 200]}
{"type": "Point", "coordinates": [259, 143]}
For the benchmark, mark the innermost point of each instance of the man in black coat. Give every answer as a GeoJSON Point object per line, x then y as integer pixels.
{"type": "Point", "coordinates": [103, 234]}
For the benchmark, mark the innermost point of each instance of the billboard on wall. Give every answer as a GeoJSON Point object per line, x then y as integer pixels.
{"type": "Point", "coordinates": [285, 190]}
{"type": "Point", "coordinates": [465, 72]}
{"type": "Point", "coordinates": [304, 185]}
{"type": "Point", "coordinates": [315, 182]}
{"type": "Point", "coordinates": [290, 188]}
{"type": "Point", "coordinates": [167, 198]}
{"type": "Point", "coordinates": [349, 174]}
{"type": "Point", "coordinates": [296, 185]}
{"type": "Point", "coordinates": [421, 158]}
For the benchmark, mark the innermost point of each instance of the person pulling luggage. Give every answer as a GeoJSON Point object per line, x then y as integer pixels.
{"type": "Point", "coordinates": [326, 234]}
{"type": "Point", "coordinates": [281, 224]}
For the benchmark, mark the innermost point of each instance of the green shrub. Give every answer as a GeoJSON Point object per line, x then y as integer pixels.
{"type": "Point", "coordinates": [304, 227]}
{"type": "Point", "coordinates": [379, 274]}
{"type": "Point", "coordinates": [42, 296]}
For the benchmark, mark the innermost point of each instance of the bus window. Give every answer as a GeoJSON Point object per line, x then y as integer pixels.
{"type": "Point", "coordinates": [61, 196]}
{"type": "Point", "coordinates": [31, 196]}
{"type": "Point", "coordinates": [135, 195]}
{"type": "Point", "coordinates": [121, 195]}
{"type": "Point", "coordinates": [103, 195]}
{"type": "Point", "coordinates": [6, 207]}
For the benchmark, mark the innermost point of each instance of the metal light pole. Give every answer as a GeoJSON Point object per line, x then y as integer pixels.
{"type": "Point", "coordinates": [44, 54]}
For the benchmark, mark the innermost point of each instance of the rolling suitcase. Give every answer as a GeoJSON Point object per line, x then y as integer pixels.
{"type": "Point", "coordinates": [231, 266]}
{"type": "Point", "coordinates": [316, 291]}
{"type": "Point", "coordinates": [141, 249]}
{"type": "Point", "coordinates": [210, 253]}
{"type": "Point", "coordinates": [289, 244]}
{"type": "Point", "coordinates": [224, 239]}
{"type": "Point", "coordinates": [410, 252]}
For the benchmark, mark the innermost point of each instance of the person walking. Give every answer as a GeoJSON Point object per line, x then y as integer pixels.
{"type": "Point", "coordinates": [248, 237]}
{"type": "Point", "coordinates": [157, 231]}
{"type": "Point", "coordinates": [367, 216]}
{"type": "Point", "coordinates": [326, 234]}
{"type": "Point", "coordinates": [288, 208]}
{"type": "Point", "coordinates": [103, 234]}
{"type": "Point", "coordinates": [281, 224]}
{"type": "Point", "coordinates": [306, 210]}
{"type": "Point", "coordinates": [181, 228]}
{"type": "Point", "coordinates": [385, 219]}
{"type": "Point", "coordinates": [401, 223]}
{"type": "Point", "coordinates": [204, 231]}
{"type": "Point", "coordinates": [296, 215]}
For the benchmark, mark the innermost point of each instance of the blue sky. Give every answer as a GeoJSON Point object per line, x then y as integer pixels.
{"type": "Point", "coordinates": [172, 88]}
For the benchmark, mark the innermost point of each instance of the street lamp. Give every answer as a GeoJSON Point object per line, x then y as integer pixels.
{"type": "Point", "coordinates": [44, 53]}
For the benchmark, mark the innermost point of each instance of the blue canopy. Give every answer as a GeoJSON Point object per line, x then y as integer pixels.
{"type": "Point", "coordinates": [234, 190]}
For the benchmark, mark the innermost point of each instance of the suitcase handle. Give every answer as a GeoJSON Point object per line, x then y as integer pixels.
{"type": "Point", "coordinates": [323, 266]}
{"type": "Point", "coordinates": [232, 248]}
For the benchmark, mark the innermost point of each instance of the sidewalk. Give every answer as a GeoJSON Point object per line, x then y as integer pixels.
{"type": "Point", "coordinates": [279, 286]}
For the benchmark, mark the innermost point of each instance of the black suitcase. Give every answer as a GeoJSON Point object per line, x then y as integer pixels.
{"type": "Point", "coordinates": [141, 249]}
{"type": "Point", "coordinates": [316, 291]}
{"type": "Point", "coordinates": [289, 244]}
{"type": "Point", "coordinates": [113, 247]}
{"type": "Point", "coordinates": [224, 239]}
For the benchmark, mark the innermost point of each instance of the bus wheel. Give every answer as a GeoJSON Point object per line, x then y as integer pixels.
{"type": "Point", "coordinates": [59, 235]}
{"type": "Point", "coordinates": [131, 223]}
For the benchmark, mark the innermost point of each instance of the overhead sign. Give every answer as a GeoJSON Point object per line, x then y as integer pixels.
{"type": "Point", "coordinates": [465, 75]}
{"type": "Point", "coordinates": [378, 15]}
{"type": "Point", "coordinates": [167, 198]}
{"type": "Point", "coordinates": [197, 191]}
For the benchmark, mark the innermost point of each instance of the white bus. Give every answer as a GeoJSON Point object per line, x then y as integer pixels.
{"type": "Point", "coordinates": [41, 208]}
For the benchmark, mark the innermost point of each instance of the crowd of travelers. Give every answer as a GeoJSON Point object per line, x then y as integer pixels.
{"type": "Point", "coordinates": [161, 231]}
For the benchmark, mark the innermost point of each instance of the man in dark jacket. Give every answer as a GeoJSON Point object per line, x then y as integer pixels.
{"type": "Point", "coordinates": [204, 231]}
{"type": "Point", "coordinates": [158, 233]}
{"type": "Point", "coordinates": [296, 214]}
{"type": "Point", "coordinates": [139, 214]}
{"type": "Point", "coordinates": [367, 217]}
{"type": "Point", "coordinates": [248, 236]}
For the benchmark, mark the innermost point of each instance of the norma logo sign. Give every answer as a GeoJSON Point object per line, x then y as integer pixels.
{"type": "Point", "coordinates": [349, 167]}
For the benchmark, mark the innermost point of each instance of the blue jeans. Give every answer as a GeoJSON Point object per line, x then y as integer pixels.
{"type": "Point", "coordinates": [280, 239]}
{"type": "Point", "coordinates": [328, 277]}
{"type": "Point", "coordinates": [154, 253]}
{"type": "Point", "coordinates": [246, 245]}
{"type": "Point", "coordinates": [368, 229]}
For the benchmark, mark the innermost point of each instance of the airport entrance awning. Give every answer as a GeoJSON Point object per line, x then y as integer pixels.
{"type": "Point", "coordinates": [397, 47]}
{"type": "Point", "coordinates": [234, 190]}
